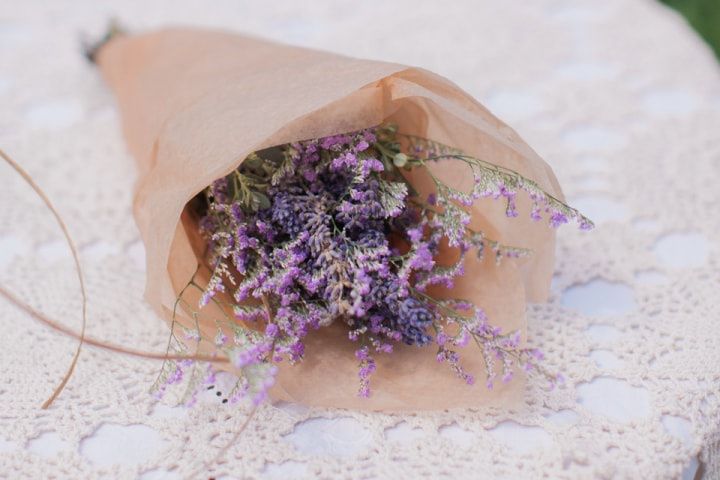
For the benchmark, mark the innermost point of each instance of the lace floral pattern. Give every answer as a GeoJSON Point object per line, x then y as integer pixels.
{"type": "Point", "coordinates": [619, 96]}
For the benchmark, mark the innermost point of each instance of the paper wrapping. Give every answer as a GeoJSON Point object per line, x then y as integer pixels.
{"type": "Point", "coordinates": [194, 103]}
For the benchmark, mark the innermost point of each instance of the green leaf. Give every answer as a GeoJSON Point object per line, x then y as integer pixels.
{"type": "Point", "coordinates": [260, 201]}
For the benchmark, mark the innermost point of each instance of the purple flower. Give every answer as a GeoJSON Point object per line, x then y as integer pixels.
{"type": "Point", "coordinates": [321, 232]}
{"type": "Point", "coordinates": [344, 161]}
{"type": "Point", "coordinates": [558, 218]}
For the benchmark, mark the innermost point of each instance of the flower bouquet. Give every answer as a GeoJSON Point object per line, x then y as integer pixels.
{"type": "Point", "coordinates": [337, 232]}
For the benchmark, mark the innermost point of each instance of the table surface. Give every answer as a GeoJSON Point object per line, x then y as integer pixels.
{"type": "Point", "coordinates": [620, 97]}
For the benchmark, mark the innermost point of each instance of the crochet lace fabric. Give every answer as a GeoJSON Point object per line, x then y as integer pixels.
{"type": "Point", "coordinates": [619, 96]}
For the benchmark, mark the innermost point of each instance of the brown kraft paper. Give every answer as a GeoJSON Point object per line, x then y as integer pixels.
{"type": "Point", "coordinates": [194, 103]}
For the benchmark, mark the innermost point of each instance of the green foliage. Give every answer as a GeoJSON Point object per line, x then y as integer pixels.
{"type": "Point", "coordinates": [703, 16]}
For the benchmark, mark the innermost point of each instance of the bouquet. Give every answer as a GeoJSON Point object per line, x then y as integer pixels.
{"type": "Point", "coordinates": [341, 232]}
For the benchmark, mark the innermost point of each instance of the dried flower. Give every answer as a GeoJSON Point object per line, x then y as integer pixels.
{"type": "Point", "coordinates": [308, 226]}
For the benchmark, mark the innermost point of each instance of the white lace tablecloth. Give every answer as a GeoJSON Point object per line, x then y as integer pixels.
{"type": "Point", "coordinates": [620, 97]}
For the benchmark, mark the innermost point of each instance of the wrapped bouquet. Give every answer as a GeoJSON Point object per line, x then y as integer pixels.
{"type": "Point", "coordinates": [327, 224]}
